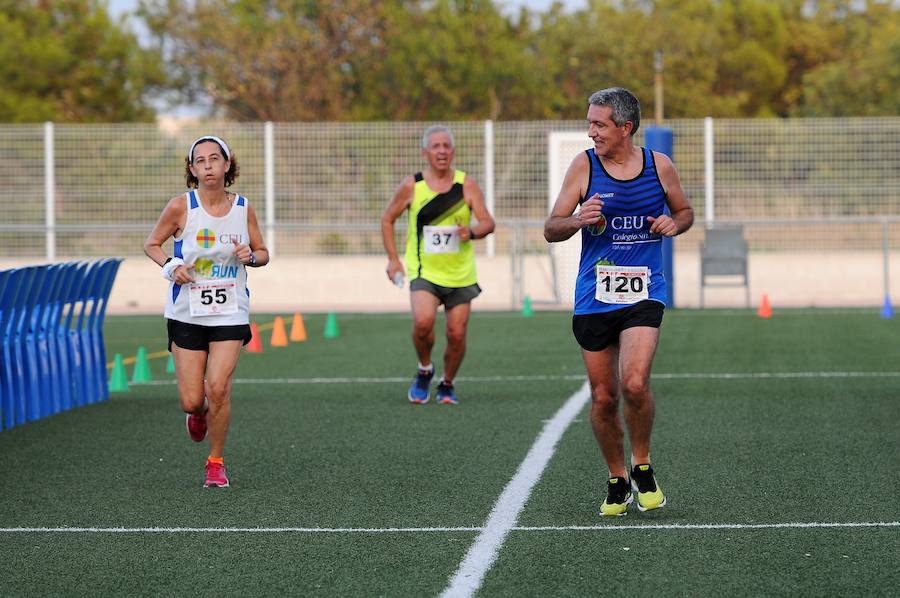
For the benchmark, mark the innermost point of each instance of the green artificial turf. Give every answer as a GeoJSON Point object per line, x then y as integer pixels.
{"type": "Point", "coordinates": [787, 420]}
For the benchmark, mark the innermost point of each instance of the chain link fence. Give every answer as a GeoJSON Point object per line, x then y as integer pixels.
{"type": "Point", "coordinates": [797, 185]}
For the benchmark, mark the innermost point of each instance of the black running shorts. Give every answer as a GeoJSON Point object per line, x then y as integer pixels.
{"type": "Point", "coordinates": [197, 338]}
{"type": "Point", "coordinates": [595, 332]}
{"type": "Point", "coordinates": [449, 296]}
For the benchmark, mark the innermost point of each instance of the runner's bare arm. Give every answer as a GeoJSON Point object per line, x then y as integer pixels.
{"type": "Point", "coordinates": [171, 222]}
{"type": "Point", "coordinates": [475, 199]}
{"type": "Point", "coordinates": [562, 224]}
{"type": "Point", "coordinates": [682, 213]}
{"type": "Point", "coordinates": [399, 202]}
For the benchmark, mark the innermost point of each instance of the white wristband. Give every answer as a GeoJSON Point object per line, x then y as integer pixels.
{"type": "Point", "coordinates": [168, 271]}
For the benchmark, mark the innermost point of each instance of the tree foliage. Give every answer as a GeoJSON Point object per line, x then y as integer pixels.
{"type": "Point", "coordinates": [863, 79]}
{"type": "Point", "coordinates": [279, 60]}
{"type": "Point", "coordinates": [65, 61]}
{"type": "Point", "coordinates": [465, 59]}
{"type": "Point", "coordinates": [732, 58]}
{"type": "Point", "coordinates": [458, 59]}
{"type": "Point", "coordinates": [306, 60]}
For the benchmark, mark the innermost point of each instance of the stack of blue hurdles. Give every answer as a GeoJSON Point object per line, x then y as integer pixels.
{"type": "Point", "coordinates": [52, 356]}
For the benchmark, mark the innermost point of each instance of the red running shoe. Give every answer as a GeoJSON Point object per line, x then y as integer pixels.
{"type": "Point", "coordinates": [196, 424]}
{"type": "Point", "coordinates": [215, 475]}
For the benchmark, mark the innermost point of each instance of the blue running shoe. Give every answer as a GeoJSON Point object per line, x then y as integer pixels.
{"type": "Point", "coordinates": [445, 394]}
{"type": "Point", "coordinates": [418, 391]}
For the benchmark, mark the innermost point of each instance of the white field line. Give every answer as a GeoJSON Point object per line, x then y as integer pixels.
{"type": "Point", "coordinates": [709, 526]}
{"type": "Point", "coordinates": [430, 530]}
{"type": "Point", "coordinates": [540, 377]}
{"type": "Point", "coordinates": [503, 517]}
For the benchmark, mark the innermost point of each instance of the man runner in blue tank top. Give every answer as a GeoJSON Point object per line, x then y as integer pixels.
{"type": "Point", "coordinates": [620, 293]}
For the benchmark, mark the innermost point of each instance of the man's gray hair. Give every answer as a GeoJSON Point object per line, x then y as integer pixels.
{"type": "Point", "coordinates": [624, 104]}
{"type": "Point", "coordinates": [436, 129]}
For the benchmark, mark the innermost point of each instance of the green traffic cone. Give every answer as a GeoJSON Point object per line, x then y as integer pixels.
{"type": "Point", "coordinates": [331, 326]}
{"type": "Point", "coordinates": [141, 368]}
{"type": "Point", "coordinates": [527, 310]}
{"type": "Point", "coordinates": [170, 367]}
{"type": "Point", "coordinates": [118, 381]}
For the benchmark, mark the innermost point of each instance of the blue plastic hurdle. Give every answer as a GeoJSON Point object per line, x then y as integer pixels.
{"type": "Point", "coordinates": [61, 334]}
{"type": "Point", "coordinates": [26, 377]}
{"type": "Point", "coordinates": [52, 355]}
{"type": "Point", "coordinates": [8, 288]}
{"type": "Point", "coordinates": [98, 294]}
{"type": "Point", "coordinates": [12, 366]}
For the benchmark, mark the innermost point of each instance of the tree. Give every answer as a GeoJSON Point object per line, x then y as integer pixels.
{"type": "Point", "coordinates": [65, 61]}
{"type": "Point", "coordinates": [722, 58]}
{"type": "Point", "coordinates": [451, 59]}
{"type": "Point", "coordinates": [865, 78]}
{"type": "Point", "coordinates": [279, 60]}
{"type": "Point", "coordinates": [349, 59]}
{"type": "Point", "coordinates": [750, 71]}
{"type": "Point", "coordinates": [303, 60]}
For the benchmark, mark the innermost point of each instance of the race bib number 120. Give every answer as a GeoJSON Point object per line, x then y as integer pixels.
{"type": "Point", "coordinates": [622, 284]}
{"type": "Point", "coordinates": [441, 239]}
{"type": "Point", "coordinates": [214, 297]}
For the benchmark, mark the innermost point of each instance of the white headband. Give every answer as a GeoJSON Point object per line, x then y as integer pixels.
{"type": "Point", "coordinates": [221, 143]}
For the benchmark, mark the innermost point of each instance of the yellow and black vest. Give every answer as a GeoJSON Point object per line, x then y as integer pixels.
{"type": "Point", "coordinates": [429, 208]}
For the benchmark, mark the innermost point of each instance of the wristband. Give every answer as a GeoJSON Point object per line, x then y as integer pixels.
{"type": "Point", "coordinates": [471, 234]}
{"type": "Point", "coordinates": [168, 259]}
{"type": "Point", "coordinates": [168, 270]}
{"type": "Point", "coordinates": [252, 259]}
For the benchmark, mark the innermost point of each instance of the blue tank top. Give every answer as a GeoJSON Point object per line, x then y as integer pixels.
{"type": "Point", "coordinates": [621, 243]}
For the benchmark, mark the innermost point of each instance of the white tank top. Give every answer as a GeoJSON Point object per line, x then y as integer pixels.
{"type": "Point", "coordinates": [219, 295]}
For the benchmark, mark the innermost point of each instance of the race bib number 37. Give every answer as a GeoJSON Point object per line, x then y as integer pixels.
{"type": "Point", "coordinates": [214, 298]}
{"type": "Point", "coordinates": [441, 239]}
{"type": "Point", "coordinates": [622, 284]}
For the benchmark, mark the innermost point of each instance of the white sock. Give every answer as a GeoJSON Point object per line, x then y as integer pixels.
{"type": "Point", "coordinates": [426, 368]}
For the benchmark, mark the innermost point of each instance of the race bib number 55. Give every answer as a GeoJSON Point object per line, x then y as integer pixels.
{"type": "Point", "coordinates": [441, 239]}
{"type": "Point", "coordinates": [622, 284]}
{"type": "Point", "coordinates": [214, 298]}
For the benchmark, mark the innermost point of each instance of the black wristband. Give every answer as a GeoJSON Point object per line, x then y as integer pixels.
{"type": "Point", "coordinates": [472, 234]}
{"type": "Point", "coordinates": [168, 259]}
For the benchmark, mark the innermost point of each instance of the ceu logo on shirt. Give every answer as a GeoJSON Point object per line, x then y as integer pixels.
{"type": "Point", "coordinates": [206, 238]}
{"type": "Point", "coordinates": [632, 229]}
{"type": "Point", "coordinates": [232, 238]}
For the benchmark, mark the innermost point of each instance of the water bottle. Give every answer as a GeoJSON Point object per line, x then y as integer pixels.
{"type": "Point", "coordinates": [398, 279]}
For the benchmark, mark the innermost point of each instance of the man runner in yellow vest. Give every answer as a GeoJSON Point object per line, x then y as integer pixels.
{"type": "Point", "coordinates": [440, 258]}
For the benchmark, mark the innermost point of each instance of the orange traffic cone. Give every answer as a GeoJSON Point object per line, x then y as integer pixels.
{"type": "Point", "coordinates": [255, 344]}
{"type": "Point", "coordinates": [298, 330]}
{"type": "Point", "coordinates": [765, 310]}
{"type": "Point", "coordinates": [279, 335]}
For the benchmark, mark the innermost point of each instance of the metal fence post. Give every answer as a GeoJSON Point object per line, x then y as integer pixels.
{"type": "Point", "coordinates": [269, 159]}
{"type": "Point", "coordinates": [515, 265]}
{"type": "Point", "coordinates": [708, 170]}
{"type": "Point", "coordinates": [489, 179]}
{"type": "Point", "coordinates": [49, 192]}
{"type": "Point", "coordinates": [887, 310]}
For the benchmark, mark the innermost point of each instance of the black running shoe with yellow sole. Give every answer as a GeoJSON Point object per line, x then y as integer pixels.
{"type": "Point", "coordinates": [618, 497]}
{"type": "Point", "coordinates": [649, 493]}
